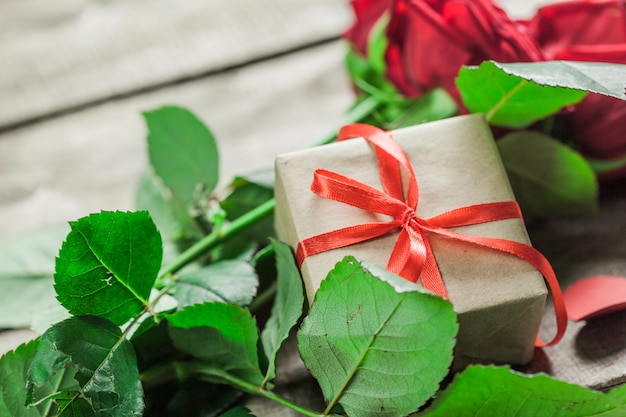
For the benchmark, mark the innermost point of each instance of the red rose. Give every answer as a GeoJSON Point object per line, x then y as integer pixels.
{"type": "Point", "coordinates": [367, 13]}
{"type": "Point", "coordinates": [429, 41]}
{"type": "Point", "coordinates": [584, 30]}
{"type": "Point", "coordinates": [592, 30]}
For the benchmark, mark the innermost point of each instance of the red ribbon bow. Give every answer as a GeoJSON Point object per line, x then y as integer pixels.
{"type": "Point", "coordinates": [412, 256]}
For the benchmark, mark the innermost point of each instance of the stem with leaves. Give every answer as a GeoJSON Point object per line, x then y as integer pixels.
{"type": "Point", "coordinates": [173, 371]}
{"type": "Point", "coordinates": [361, 110]}
{"type": "Point", "coordinates": [179, 371]}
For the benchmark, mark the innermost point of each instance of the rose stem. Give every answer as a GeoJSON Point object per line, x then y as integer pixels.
{"type": "Point", "coordinates": [356, 113]}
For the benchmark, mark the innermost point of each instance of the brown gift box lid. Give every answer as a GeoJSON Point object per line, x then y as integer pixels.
{"type": "Point", "coordinates": [499, 298]}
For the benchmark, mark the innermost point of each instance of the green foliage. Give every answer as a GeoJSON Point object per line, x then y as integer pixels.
{"type": "Point", "coordinates": [600, 166]}
{"type": "Point", "coordinates": [13, 370]}
{"type": "Point", "coordinates": [594, 77]}
{"type": "Point", "coordinates": [182, 152]}
{"type": "Point", "coordinates": [108, 264]}
{"type": "Point", "coordinates": [238, 412]}
{"type": "Point", "coordinates": [26, 269]}
{"type": "Point", "coordinates": [394, 111]}
{"type": "Point", "coordinates": [263, 177]}
{"type": "Point", "coordinates": [221, 336]}
{"type": "Point", "coordinates": [434, 105]}
{"type": "Point", "coordinates": [618, 394]}
{"type": "Point", "coordinates": [548, 177]}
{"type": "Point", "coordinates": [105, 365]}
{"type": "Point", "coordinates": [377, 344]}
{"type": "Point", "coordinates": [378, 347]}
{"type": "Point", "coordinates": [248, 193]}
{"type": "Point", "coordinates": [191, 398]}
{"type": "Point", "coordinates": [368, 72]}
{"type": "Point", "coordinates": [170, 215]}
{"type": "Point", "coordinates": [492, 391]}
{"type": "Point", "coordinates": [232, 282]}
{"type": "Point", "coordinates": [510, 100]}
{"type": "Point", "coordinates": [287, 307]}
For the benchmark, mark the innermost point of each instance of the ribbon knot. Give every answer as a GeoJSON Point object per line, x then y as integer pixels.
{"type": "Point", "coordinates": [412, 256]}
{"type": "Point", "coordinates": [408, 217]}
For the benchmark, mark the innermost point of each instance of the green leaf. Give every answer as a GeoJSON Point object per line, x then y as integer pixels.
{"type": "Point", "coordinates": [618, 394]}
{"type": "Point", "coordinates": [434, 105]}
{"type": "Point", "coordinates": [247, 194]}
{"type": "Point", "coordinates": [107, 373]}
{"type": "Point", "coordinates": [287, 307]}
{"type": "Point", "coordinates": [548, 177]}
{"type": "Point", "coordinates": [233, 282]}
{"type": "Point", "coordinates": [370, 69]}
{"type": "Point", "coordinates": [369, 74]}
{"type": "Point", "coordinates": [509, 100]}
{"type": "Point", "coordinates": [13, 373]}
{"type": "Point", "coordinates": [600, 166]}
{"type": "Point", "coordinates": [595, 77]}
{"type": "Point", "coordinates": [377, 344]}
{"type": "Point", "coordinates": [377, 44]}
{"type": "Point", "coordinates": [108, 265]}
{"type": "Point", "coordinates": [493, 391]}
{"type": "Point", "coordinates": [245, 197]}
{"type": "Point", "coordinates": [238, 412]}
{"type": "Point", "coordinates": [26, 269]}
{"type": "Point", "coordinates": [168, 212]}
{"type": "Point", "coordinates": [191, 398]}
{"type": "Point", "coordinates": [357, 66]}
{"type": "Point", "coordinates": [223, 336]}
{"type": "Point", "coordinates": [188, 397]}
{"type": "Point", "coordinates": [182, 152]}
{"type": "Point", "coordinates": [263, 177]}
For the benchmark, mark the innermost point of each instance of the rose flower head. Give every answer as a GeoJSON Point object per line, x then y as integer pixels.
{"type": "Point", "coordinates": [428, 41]}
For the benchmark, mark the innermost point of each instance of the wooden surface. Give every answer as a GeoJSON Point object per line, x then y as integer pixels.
{"type": "Point", "coordinates": [267, 78]}
{"type": "Point", "coordinates": [54, 60]}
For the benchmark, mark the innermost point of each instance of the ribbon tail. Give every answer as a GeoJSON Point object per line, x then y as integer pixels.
{"type": "Point", "coordinates": [431, 276]}
{"type": "Point", "coordinates": [533, 257]}
{"type": "Point", "coordinates": [536, 259]}
{"type": "Point", "coordinates": [413, 259]}
{"type": "Point", "coordinates": [408, 256]}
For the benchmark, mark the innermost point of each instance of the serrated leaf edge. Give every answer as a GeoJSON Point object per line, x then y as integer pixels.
{"type": "Point", "coordinates": [601, 89]}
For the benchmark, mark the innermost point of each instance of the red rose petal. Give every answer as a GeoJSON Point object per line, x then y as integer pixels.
{"type": "Point", "coordinates": [595, 296]}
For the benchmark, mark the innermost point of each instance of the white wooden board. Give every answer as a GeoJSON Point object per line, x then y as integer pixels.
{"type": "Point", "coordinates": [67, 167]}
{"type": "Point", "coordinates": [56, 57]}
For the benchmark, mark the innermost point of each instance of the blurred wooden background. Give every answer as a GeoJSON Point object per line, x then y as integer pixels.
{"type": "Point", "coordinates": [267, 77]}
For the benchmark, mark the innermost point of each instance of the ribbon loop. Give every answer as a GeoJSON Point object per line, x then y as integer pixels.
{"type": "Point", "coordinates": [412, 256]}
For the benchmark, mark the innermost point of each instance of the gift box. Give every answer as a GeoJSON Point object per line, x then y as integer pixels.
{"type": "Point", "coordinates": [499, 298]}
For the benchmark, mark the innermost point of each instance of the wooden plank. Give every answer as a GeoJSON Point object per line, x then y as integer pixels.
{"type": "Point", "coordinates": [83, 51]}
{"type": "Point", "coordinates": [55, 59]}
{"type": "Point", "coordinates": [67, 167]}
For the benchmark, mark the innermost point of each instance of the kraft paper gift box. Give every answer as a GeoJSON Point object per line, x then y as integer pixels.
{"type": "Point", "coordinates": [499, 298]}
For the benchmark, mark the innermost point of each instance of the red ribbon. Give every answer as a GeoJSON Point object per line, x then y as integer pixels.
{"type": "Point", "coordinates": [412, 256]}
